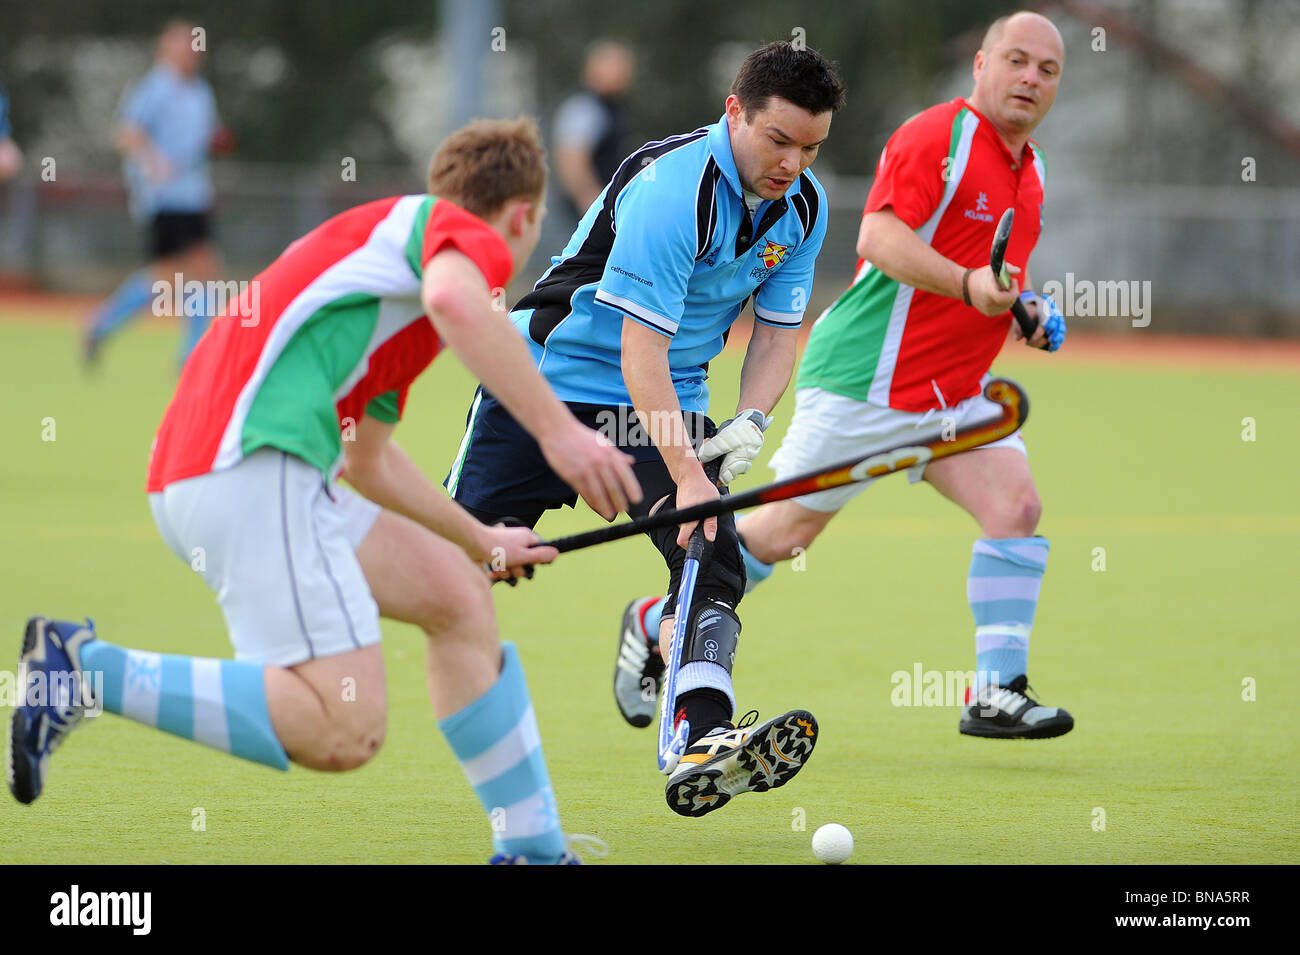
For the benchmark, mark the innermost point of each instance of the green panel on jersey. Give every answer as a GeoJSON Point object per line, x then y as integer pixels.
{"type": "Point", "coordinates": [955, 140]}
{"type": "Point", "coordinates": [415, 242]}
{"type": "Point", "coordinates": [844, 347]}
{"type": "Point", "coordinates": [294, 409]}
{"type": "Point", "coordinates": [384, 408]}
{"type": "Point", "coordinates": [1037, 152]}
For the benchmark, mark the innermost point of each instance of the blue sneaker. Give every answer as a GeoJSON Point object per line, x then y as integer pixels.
{"type": "Point", "coordinates": [505, 858]}
{"type": "Point", "coordinates": [53, 698]}
{"type": "Point", "coordinates": [597, 847]}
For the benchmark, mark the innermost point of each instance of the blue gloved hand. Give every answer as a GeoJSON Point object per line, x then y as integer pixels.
{"type": "Point", "coordinates": [1049, 316]}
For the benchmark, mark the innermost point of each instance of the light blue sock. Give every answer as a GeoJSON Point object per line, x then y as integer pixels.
{"type": "Point", "coordinates": [653, 614]}
{"type": "Point", "coordinates": [195, 326]}
{"type": "Point", "coordinates": [1005, 577]}
{"type": "Point", "coordinates": [219, 703]}
{"type": "Point", "coordinates": [496, 740]}
{"type": "Point", "coordinates": [135, 292]}
{"type": "Point", "coordinates": [755, 570]}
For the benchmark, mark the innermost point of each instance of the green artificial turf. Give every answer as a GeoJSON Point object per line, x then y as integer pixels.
{"type": "Point", "coordinates": [1200, 592]}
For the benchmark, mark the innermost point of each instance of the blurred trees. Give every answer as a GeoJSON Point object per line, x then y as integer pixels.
{"type": "Point", "coordinates": [296, 78]}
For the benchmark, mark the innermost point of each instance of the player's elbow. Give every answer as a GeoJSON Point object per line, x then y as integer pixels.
{"type": "Point", "coordinates": [870, 236]}
{"type": "Point", "coordinates": [879, 233]}
{"type": "Point", "coordinates": [128, 140]}
{"type": "Point", "coordinates": [11, 159]}
{"type": "Point", "coordinates": [439, 301]}
{"type": "Point", "coordinates": [865, 248]}
{"type": "Point", "coordinates": [447, 308]}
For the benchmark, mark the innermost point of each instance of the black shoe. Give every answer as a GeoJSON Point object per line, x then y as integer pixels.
{"type": "Point", "coordinates": [90, 345]}
{"type": "Point", "coordinates": [1005, 712]}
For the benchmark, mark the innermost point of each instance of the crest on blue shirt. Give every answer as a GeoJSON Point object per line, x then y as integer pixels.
{"type": "Point", "coordinates": [773, 254]}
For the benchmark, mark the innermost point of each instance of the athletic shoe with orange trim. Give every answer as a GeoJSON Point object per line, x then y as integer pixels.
{"type": "Point", "coordinates": [741, 758]}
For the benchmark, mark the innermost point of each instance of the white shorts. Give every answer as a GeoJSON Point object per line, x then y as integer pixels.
{"type": "Point", "coordinates": [829, 428]}
{"type": "Point", "coordinates": [279, 553]}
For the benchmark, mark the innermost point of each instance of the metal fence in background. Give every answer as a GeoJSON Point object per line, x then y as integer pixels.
{"type": "Point", "coordinates": [1191, 259]}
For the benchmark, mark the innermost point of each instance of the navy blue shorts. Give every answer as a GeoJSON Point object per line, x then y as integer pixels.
{"type": "Point", "coordinates": [500, 468]}
{"type": "Point", "coordinates": [171, 233]}
{"type": "Point", "coordinates": [500, 472]}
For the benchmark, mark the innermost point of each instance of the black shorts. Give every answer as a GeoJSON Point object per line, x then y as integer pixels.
{"type": "Point", "coordinates": [171, 233]}
{"type": "Point", "coordinates": [501, 472]}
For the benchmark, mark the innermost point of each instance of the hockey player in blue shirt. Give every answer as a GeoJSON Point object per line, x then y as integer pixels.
{"type": "Point", "coordinates": [623, 325]}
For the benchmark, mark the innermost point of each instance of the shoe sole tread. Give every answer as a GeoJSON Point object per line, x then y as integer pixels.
{"type": "Point", "coordinates": [769, 759]}
{"type": "Point", "coordinates": [19, 771]}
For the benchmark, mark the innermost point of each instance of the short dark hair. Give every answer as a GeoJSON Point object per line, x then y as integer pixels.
{"type": "Point", "coordinates": [802, 76]}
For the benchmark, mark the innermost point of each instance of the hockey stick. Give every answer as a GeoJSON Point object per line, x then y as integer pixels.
{"type": "Point", "coordinates": [672, 742]}
{"type": "Point", "coordinates": [997, 254]}
{"type": "Point", "coordinates": [927, 447]}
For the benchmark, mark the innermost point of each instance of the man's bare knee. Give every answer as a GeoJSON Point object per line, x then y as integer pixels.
{"type": "Point", "coordinates": [803, 531]}
{"type": "Point", "coordinates": [448, 607]}
{"type": "Point", "coordinates": [1031, 512]}
{"type": "Point", "coordinates": [791, 532]}
{"type": "Point", "coordinates": [351, 739]}
{"type": "Point", "coordinates": [1018, 516]}
{"type": "Point", "coordinates": [331, 713]}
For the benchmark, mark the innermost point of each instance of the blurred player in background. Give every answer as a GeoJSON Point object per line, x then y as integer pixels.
{"type": "Point", "coordinates": [242, 488]}
{"type": "Point", "coordinates": [910, 344]}
{"type": "Point", "coordinates": [169, 127]}
{"type": "Point", "coordinates": [11, 157]}
{"type": "Point", "coordinates": [590, 134]}
{"type": "Point", "coordinates": [624, 324]}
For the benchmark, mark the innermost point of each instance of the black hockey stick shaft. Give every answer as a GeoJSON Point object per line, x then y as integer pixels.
{"type": "Point", "coordinates": [997, 262]}
{"type": "Point", "coordinates": [928, 447]}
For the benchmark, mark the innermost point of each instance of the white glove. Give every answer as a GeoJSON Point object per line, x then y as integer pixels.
{"type": "Point", "coordinates": [737, 442]}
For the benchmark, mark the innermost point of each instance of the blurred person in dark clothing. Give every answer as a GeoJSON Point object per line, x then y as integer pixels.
{"type": "Point", "coordinates": [590, 135]}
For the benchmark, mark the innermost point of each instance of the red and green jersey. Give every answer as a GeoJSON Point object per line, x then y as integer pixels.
{"type": "Point", "coordinates": [331, 330]}
{"type": "Point", "coordinates": [948, 175]}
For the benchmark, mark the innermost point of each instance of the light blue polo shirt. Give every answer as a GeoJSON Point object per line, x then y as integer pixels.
{"type": "Point", "coordinates": [179, 116]}
{"type": "Point", "coordinates": [662, 245]}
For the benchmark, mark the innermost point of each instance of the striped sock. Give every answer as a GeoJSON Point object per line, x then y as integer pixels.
{"type": "Point", "coordinates": [496, 740]}
{"type": "Point", "coordinates": [755, 570]}
{"type": "Point", "coordinates": [131, 296]}
{"type": "Point", "coordinates": [219, 703]}
{"type": "Point", "coordinates": [1005, 576]}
